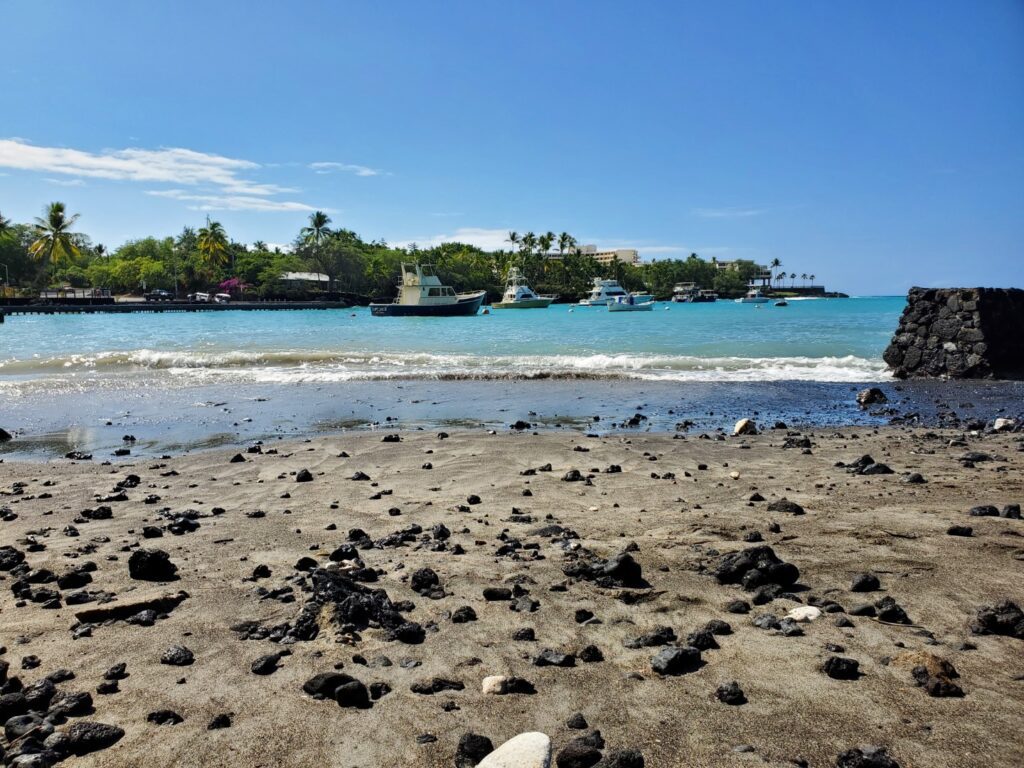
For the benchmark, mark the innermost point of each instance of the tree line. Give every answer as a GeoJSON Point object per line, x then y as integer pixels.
{"type": "Point", "coordinates": [50, 252]}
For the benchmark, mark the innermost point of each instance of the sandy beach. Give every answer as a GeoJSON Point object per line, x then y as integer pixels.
{"type": "Point", "coordinates": [250, 541]}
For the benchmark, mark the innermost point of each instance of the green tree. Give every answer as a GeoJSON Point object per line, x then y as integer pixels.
{"type": "Point", "coordinates": [212, 243]}
{"type": "Point", "coordinates": [775, 264]}
{"type": "Point", "coordinates": [318, 230]}
{"type": "Point", "coordinates": [55, 241]}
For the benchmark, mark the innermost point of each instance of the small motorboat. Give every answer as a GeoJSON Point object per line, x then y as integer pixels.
{"type": "Point", "coordinates": [629, 304]}
{"type": "Point", "coordinates": [753, 297]}
{"type": "Point", "coordinates": [781, 303]}
{"type": "Point", "coordinates": [421, 294]}
{"type": "Point", "coordinates": [519, 295]}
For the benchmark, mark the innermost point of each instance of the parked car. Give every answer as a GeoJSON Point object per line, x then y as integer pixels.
{"type": "Point", "coordinates": [199, 298]}
{"type": "Point", "coordinates": [222, 298]}
{"type": "Point", "coordinates": [158, 295]}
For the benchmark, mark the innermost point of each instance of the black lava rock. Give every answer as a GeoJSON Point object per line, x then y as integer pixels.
{"type": "Point", "coordinates": [472, 749]}
{"type": "Point", "coordinates": [731, 693]}
{"type": "Point", "coordinates": [676, 660]}
{"type": "Point", "coordinates": [841, 668]}
{"type": "Point", "coordinates": [151, 565]}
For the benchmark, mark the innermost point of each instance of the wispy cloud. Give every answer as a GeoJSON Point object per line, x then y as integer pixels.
{"type": "Point", "coordinates": [358, 170]}
{"type": "Point", "coordinates": [201, 202]}
{"type": "Point", "coordinates": [487, 239]}
{"type": "Point", "coordinates": [214, 182]}
{"type": "Point", "coordinates": [727, 213]}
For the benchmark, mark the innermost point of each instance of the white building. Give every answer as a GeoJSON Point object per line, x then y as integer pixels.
{"type": "Point", "coordinates": [624, 255]}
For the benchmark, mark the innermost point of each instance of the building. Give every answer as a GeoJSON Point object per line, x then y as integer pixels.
{"type": "Point", "coordinates": [306, 280]}
{"type": "Point", "coordinates": [623, 255]}
{"type": "Point", "coordinates": [762, 279]}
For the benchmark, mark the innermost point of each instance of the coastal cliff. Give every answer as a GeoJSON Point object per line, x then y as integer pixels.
{"type": "Point", "coordinates": [960, 333]}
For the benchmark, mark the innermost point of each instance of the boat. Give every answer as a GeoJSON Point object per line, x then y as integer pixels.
{"type": "Point", "coordinates": [782, 303]}
{"type": "Point", "coordinates": [629, 304]}
{"type": "Point", "coordinates": [688, 293]}
{"type": "Point", "coordinates": [603, 292]}
{"type": "Point", "coordinates": [753, 296]}
{"type": "Point", "coordinates": [519, 295]}
{"type": "Point", "coordinates": [641, 297]}
{"type": "Point", "coordinates": [421, 294]}
{"type": "Point", "coordinates": [684, 293]}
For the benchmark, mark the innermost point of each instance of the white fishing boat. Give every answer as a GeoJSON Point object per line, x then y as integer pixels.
{"type": "Point", "coordinates": [421, 294]}
{"type": "Point", "coordinates": [629, 304]}
{"type": "Point", "coordinates": [753, 297]}
{"type": "Point", "coordinates": [641, 297]}
{"type": "Point", "coordinates": [603, 292]}
{"type": "Point", "coordinates": [519, 295]}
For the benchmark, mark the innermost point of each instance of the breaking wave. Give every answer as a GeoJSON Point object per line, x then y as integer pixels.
{"type": "Point", "coordinates": [286, 366]}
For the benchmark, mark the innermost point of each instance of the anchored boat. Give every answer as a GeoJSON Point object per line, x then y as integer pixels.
{"type": "Point", "coordinates": [602, 293]}
{"type": "Point", "coordinates": [753, 297]}
{"type": "Point", "coordinates": [421, 294]}
{"type": "Point", "coordinates": [630, 304]}
{"type": "Point", "coordinates": [519, 295]}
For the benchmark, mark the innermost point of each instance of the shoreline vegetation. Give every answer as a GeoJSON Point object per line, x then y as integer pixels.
{"type": "Point", "coordinates": [49, 253]}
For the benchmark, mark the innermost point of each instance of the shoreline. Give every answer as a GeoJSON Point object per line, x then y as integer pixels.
{"type": "Point", "coordinates": [195, 418]}
{"type": "Point", "coordinates": [675, 519]}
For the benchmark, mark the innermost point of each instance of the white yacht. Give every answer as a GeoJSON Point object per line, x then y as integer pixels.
{"type": "Point", "coordinates": [519, 295]}
{"type": "Point", "coordinates": [630, 304]}
{"type": "Point", "coordinates": [602, 293]}
{"type": "Point", "coordinates": [753, 296]}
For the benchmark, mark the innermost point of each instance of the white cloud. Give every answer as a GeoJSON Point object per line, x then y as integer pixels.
{"type": "Point", "coordinates": [66, 182]}
{"type": "Point", "coordinates": [487, 239]}
{"type": "Point", "coordinates": [229, 202]}
{"type": "Point", "coordinates": [171, 165]}
{"type": "Point", "coordinates": [727, 213]}
{"type": "Point", "coordinates": [358, 170]}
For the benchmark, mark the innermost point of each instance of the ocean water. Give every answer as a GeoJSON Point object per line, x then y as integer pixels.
{"type": "Point", "coordinates": [180, 382]}
{"type": "Point", "coordinates": [832, 340]}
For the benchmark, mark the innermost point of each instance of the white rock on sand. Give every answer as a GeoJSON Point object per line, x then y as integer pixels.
{"type": "Point", "coordinates": [804, 613]}
{"type": "Point", "coordinates": [745, 427]}
{"type": "Point", "coordinates": [494, 684]}
{"type": "Point", "coordinates": [527, 750]}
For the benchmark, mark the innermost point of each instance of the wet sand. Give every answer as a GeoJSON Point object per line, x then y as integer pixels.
{"type": "Point", "coordinates": [681, 527]}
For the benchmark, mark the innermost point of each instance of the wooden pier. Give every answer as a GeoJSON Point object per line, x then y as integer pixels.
{"type": "Point", "coordinates": [163, 306]}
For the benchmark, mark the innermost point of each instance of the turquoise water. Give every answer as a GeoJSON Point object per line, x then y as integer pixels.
{"type": "Point", "coordinates": [810, 340]}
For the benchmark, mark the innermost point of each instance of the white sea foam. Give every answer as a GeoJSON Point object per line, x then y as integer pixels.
{"type": "Point", "coordinates": [327, 366]}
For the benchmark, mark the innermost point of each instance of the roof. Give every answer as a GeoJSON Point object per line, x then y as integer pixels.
{"type": "Point", "coordinates": [310, 277]}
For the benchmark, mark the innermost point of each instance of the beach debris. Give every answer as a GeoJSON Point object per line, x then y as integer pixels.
{"type": "Point", "coordinates": [865, 582]}
{"type": "Point", "coordinates": [871, 396]}
{"type": "Point", "coordinates": [177, 656]}
{"type": "Point", "coordinates": [151, 565]}
{"type": "Point", "coordinates": [472, 749]}
{"type": "Point", "coordinates": [501, 685]}
{"type": "Point", "coordinates": [841, 668]}
{"type": "Point", "coordinates": [785, 506]}
{"type": "Point", "coordinates": [731, 694]}
{"type": "Point", "coordinates": [745, 427]}
{"type": "Point", "coordinates": [756, 567]}
{"type": "Point", "coordinates": [804, 613]}
{"type": "Point", "coordinates": [527, 750]}
{"type": "Point", "coordinates": [1003, 618]}
{"type": "Point", "coordinates": [866, 757]}
{"type": "Point", "coordinates": [676, 660]}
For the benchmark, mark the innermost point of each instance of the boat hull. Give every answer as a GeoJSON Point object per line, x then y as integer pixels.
{"type": "Point", "coordinates": [525, 304]}
{"type": "Point", "coordinates": [646, 307]}
{"type": "Point", "coordinates": [754, 301]}
{"type": "Point", "coordinates": [464, 306]}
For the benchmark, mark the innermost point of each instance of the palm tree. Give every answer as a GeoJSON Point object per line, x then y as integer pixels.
{"type": "Point", "coordinates": [513, 237]}
{"type": "Point", "coordinates": [528, 242]}
{"type": "Point", "coordinates": [100, 250]}
{"type": "Point", "coordinates": [317, 231]}
{"type": "Point", "coordinates": [212, 242]}
{"type": "Point", "coordinates": [775, 264]}
{"type": "Point", "coordinates": [55, 240]}
{"type": "Point", "coordinates": [565, 242]}
{"type": "Point", "coordinates": [259, 246]}
{"type": "Point", "coordinates": [792, 278]}
{"type": "Point", "coordinates": [811, 278]}
{"type": "Point", "coordinates": [5, 225]}
{"type": "Point", "coordinates": [544, 242]}
{"type": "Point", "coordinates": [804, 278]}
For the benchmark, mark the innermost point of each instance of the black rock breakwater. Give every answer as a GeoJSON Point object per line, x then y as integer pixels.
{"type": "Point", "coordinates": [960, 333]}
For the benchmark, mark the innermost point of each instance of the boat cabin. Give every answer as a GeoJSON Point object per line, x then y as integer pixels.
{"type": "Point", "coordinates": [421, 285]}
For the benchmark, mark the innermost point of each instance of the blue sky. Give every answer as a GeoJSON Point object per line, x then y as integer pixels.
{"type": "Point", "coordinates": [874, 144]}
